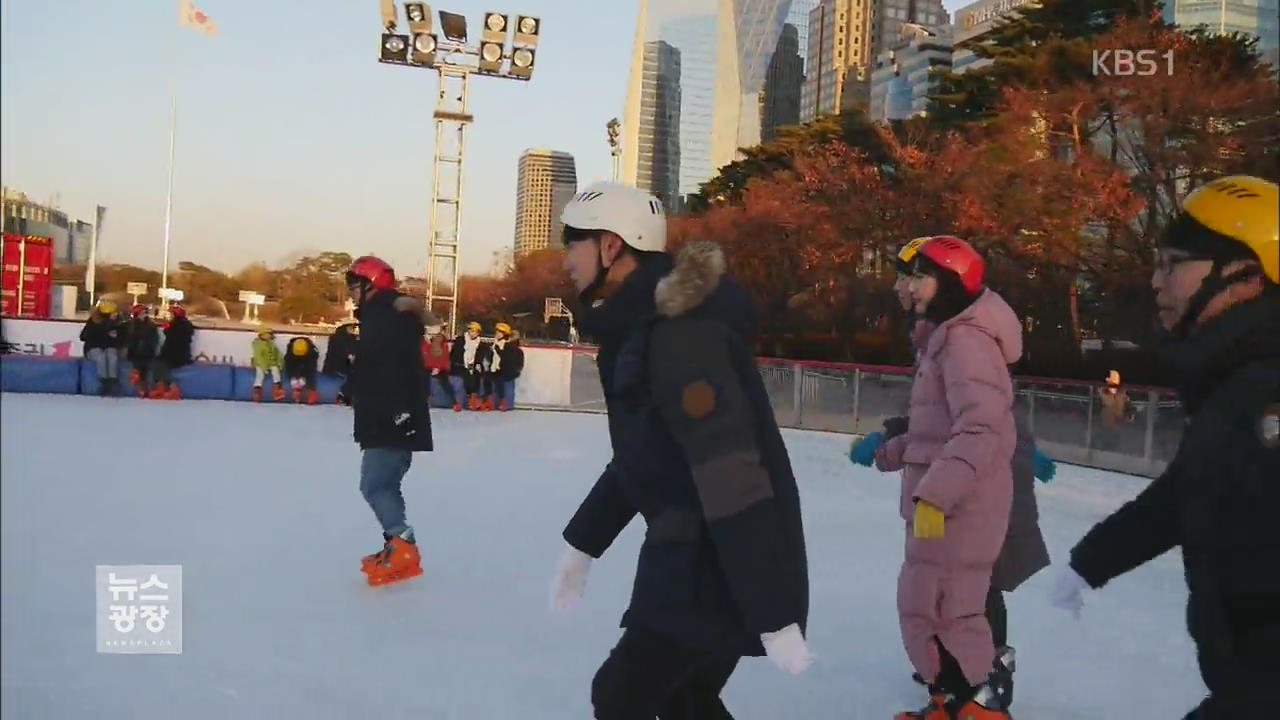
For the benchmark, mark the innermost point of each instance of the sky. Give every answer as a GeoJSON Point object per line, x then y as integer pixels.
{"type": "Point", "coordinates": [291, 137]}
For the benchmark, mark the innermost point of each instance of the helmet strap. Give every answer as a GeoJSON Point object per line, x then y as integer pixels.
{"type": "Point", "coordinates": [1213, 284]}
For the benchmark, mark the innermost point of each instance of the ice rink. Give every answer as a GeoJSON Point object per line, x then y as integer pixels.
{"type": "Point", "coordinates": [260, 505]}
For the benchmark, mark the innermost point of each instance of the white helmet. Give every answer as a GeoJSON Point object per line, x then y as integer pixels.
{"type": "Point", "coordinates": [633, 214]}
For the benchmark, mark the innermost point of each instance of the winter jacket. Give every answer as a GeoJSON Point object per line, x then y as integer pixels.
{"type": "Point", "coordinates": [265, 354]}
{"type": "Point", "coordinates": [458, 356]}
{"type": "Point", "coordinates": [342, 349]}
{"type": "Point", "coordinates": [301, 367]}
{"type": "Point", "coordinates": [176, 351]}
{"type": "Point", "coordinates": [1024, 553]}
{"type": "Point", "coordinates": [1115, 408]}
{"type": "Point", "coordinates": [435, 354]}
{"type": "Point", "coordinates": [956, 455]}
{"type": "Point", "coordinates": [507, 359]}
{"type": "Point", "coordinates": [388, 385]}
{"type": "Point", "coordinates": [697, 453]}
{"type": "Point", "coordinates": [102, 332]}
{"type": "Point", "coordinates": [1218, 500]}
{"type": "Point", "coordinates": [142, 343]}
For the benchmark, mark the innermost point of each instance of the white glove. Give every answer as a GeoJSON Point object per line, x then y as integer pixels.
{"type": "Point", "coordinates": [571, 579]}
{"type": "Point", "coordinates": [787, 649]}
{"type": "Point", "coordinates": [1067, 591]}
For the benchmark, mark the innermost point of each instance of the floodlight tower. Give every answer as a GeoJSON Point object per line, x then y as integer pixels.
{"type": "Point", "coordinates": [455, 61]}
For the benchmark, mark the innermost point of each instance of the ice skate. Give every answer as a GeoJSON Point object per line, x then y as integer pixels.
{"type": "Point", "coordinates": [257, 394]}
{"type": "Point", "coordinates": [369, 560]}
{"type": "Point", "coordinates": [487, 405]}
{"type": "Point", "coordinates": [135, 377]}
{"type": "Point", "coordinates": [297, 395]}
{"type": "Point", "coordinates": [400, 561]}
{"type": "Point", "coordinates": [158, 392]}
{"type": "Point", "coordinates": [312, 397]}
{"type": "Point", "coordinates": [457, 406]}
{"type": "Point", "coordinates": [473, 402]}
{"type": "Point", "coordinates": [935, 710]}
{"type": "Point", "coordinates": [174, 392]}
{"type": "Point", "coordinates": [991, 701]}
{"type": "Point", "coordinates": [277, 393]}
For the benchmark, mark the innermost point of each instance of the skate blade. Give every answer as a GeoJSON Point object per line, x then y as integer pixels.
{"type": "Point", "coordinates": [390, 578]}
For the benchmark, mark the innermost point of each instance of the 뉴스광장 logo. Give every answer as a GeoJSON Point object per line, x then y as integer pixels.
{"type": "Point", "coordinates": [139, 609]}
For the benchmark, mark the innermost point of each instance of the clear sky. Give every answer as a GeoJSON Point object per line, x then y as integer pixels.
{"type": "Point", "coordinates": [292, 138]}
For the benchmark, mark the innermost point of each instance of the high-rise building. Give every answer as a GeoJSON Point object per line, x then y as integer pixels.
{"type": "Point", "coordinates": [695, 38]}
{"type": "Point", "coordinates": [546, 181]}
{"type": "Point", "coordinates": [798, 17]}
{"type": "Point", "coordinates": [747, 34]}
{"type": "Point", "coordinates": [658, 136]}
{"type": "Point", "coordinates": [851, 33]}
{"type": "Point", "coordinates": [907, 74]}
{"type": "Point", "coordinates": [974, 21]}
{"type": "Point", "coordinates": [780, 99]}
{"type": "Point", "coordinates": [1259, 18]}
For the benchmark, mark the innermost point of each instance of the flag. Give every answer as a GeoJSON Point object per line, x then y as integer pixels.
{"type": "Point", "coordinates": [192, 16]}
{"type": "Point", "coordinates": [91, 272]}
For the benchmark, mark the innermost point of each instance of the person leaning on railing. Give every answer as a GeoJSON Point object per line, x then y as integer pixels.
{"type": "Point", "coordinates": [1217, 285]}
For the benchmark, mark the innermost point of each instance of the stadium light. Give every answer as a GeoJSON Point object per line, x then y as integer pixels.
{"type": "Point", "coordinates": [395, 48]}
{"type": "Point", "coordinates": [454, 26]}
{"type": "Point", "coordinates": [527, 30]}
{"type": "Point", "coordinates": [419, 16]}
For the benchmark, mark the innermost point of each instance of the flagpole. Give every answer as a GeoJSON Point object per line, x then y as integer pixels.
{"type": "Point", "coordinates": [168, 205]}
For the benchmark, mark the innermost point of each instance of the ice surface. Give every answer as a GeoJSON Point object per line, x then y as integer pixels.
{"type": "Point", "coordinates": [259, 504]}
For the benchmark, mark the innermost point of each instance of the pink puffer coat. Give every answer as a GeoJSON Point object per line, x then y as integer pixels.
{"type": "Point", "coordinates": [956, 455]}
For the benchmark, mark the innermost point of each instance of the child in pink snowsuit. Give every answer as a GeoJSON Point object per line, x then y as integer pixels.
{"type": "Point", "coordinates": [957, 485]}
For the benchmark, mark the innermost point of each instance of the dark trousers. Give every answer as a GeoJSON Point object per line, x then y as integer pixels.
{"type": "Point", "coordinates": [650, 675]}
{"type": "Point", "coordinates": [443, 381]}
{"type": "Point", "coordinates": [471, 383]}
{"type": "Point", "coordinates": [951, 681]}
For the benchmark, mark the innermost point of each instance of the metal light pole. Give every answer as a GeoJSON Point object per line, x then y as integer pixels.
{"type": "Point", "coordinates": [454, 61]}
{"type": "Point", "coordinates": [614, 128]}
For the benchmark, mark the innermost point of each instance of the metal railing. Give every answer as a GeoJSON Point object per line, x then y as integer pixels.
{"type": "Point", "coordinates": [1067, 417]}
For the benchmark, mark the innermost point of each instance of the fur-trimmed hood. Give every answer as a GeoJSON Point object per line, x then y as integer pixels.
{"type": "Point", "coordinates": [698, 283]}
{"type": "Point", "coordinates": [697, 273]}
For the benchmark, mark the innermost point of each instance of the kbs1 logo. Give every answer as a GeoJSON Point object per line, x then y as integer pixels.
{"type": "Point", "coordinates": [1126, 63]}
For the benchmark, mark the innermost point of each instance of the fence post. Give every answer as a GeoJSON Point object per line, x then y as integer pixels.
{"type": "Point", "coordinates": [1088, 427]}
{"type": "Point", "coordinates": [857, 393]}
{"type": "Point", "coordinates": [797, 396]}
{"type": "Point", "coordinates": [1031, 410]}
{"type": "Point", "coordinates": [1149, 443]}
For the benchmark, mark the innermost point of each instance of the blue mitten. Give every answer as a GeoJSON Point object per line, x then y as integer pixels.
{"type": "Point", "coordinates": [863, 452]}
{"type": "Point", "coordinates": [1043, 466]}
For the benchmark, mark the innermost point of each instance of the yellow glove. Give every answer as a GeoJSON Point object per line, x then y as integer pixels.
{"type": "Point", "coordinates": [928, 521]}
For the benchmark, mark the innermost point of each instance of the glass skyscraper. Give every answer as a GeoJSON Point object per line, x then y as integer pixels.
{"type": "Point", "coordinates": [658, 163]}
{"type": "Point", "coordinates": [1260, 18]}
{"type": "Point", "coordinates": [695, 38]}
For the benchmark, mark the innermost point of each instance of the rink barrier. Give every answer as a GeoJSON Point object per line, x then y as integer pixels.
{"type": "Point", "coordinates": [19, 373]}
{"type": "Point", "coordinates": [852, 398]}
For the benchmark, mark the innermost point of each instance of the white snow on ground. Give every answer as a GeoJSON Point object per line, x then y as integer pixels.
{"type": "Point", "coordinates": [259, 504]}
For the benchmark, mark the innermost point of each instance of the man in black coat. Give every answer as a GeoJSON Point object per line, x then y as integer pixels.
{"type": "Point", "coordinates": [1216, 289]}
{"type": "Point", "coordinates": [390, 407]}
{"type": "Point", "coordinates": [697, 452]}
{"type": "Point", "coordinates": [175, 352]}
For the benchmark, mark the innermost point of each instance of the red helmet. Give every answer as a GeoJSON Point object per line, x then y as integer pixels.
{"type": "Point", "coordinates": [137, 309]}
{"type": "Point", "coordinates": [957, 256]}
{"type": "Point", "coordinates": [375, 271]}
{"type": "Point", "coordinates": [178, 310]}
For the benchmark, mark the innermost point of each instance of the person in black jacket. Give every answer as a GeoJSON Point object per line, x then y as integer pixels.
{"type": "Point", "coordinates": [339, 356]}
{"type": "Point", "coordinates": [1216, 290]}
{"type": "Point", "coordinates": [697, 452]}
{"type": "Point", "coordinates": [103, 336]}
{"type": "Point", "coordinates": [391, 409]}
{"type": "Point", "coordinates": [469, 358]}
{"type": "Point", "coordinates": [506, 363]}
{"type": "Point", "coordinates": [300, 362]}
{"type": "Point", "coordinates": [175, 352]}
{"type": "Point", "coordinates": [142, 346]}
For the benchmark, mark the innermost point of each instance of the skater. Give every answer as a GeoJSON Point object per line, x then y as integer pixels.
{"type": "Point", "coordinates": [1023, 553]}
{"type": "Point", "coordinates": [142, 346]}
{"type": "Point", "coordinates": [339, 356]}
{"type": "Point", "coordinates": [505, 367]}
{"type": "Point", "coordinates": [957, 489]}
{"type": "Point", "coordinates": [175, 352]}
{"type": "Point", "coordinates": [435, 358]}
{"type": "Point", "coordinates": [103, 336]}
{"type": "Point", "coordinates": [696, 451]}
{"type": "Point", "coordinates": [469, 357]}
{"type": "Point", "coordinates": [300, 368]}
{"type": "Point", "coordinates": [391, 408]}
{"type": "Point", "coordinates": [1217, 286]}
{"type": "Point", "coordinates": [266, 359]}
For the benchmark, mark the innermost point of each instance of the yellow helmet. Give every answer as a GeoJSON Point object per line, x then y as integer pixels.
{"type": "Point", "coordinates": [473, 326]}
{"type": "Point", "coordinates": [502, 328]}
{"type": "Point", "coordinates": [1241, 208]}
{"type": "Point", "coordinates": [265, 332]}
{"type": "Point", "coordinates": [908, 253]}
{"type": "Point", "coordinates": [299, 347]}
{"type": "Point", "coordinates": [107, 307]}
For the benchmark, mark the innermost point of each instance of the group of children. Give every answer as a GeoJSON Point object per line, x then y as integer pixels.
{"type": "Point", "coordinates": [471, 369]}
{"type": "Point", "coordinates": [299, 365]}
{"type": "Point", "coordinates": [153, 349]}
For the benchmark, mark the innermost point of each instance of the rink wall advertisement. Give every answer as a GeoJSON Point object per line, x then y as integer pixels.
{"type": "Point", "coordinates": [545, 381]}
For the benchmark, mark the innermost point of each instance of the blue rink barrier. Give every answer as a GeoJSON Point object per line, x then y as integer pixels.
{"type": "Point", "coordinates": [36, 374]}
{"type": "Point", "coordinates": [205, 381]}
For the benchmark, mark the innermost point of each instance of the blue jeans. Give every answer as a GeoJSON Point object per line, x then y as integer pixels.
{"type": "Point", "coordinates": [381, 470]}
